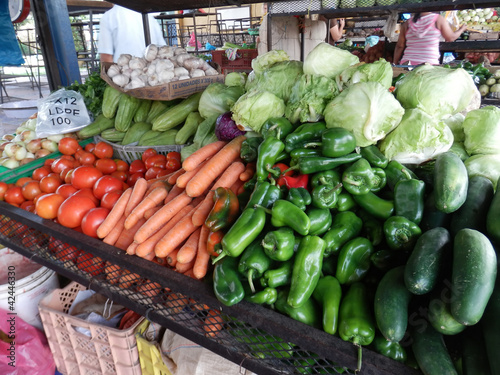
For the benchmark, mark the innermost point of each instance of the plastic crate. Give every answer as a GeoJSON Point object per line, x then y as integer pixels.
{"type": "Point", "coordinates": [132, 152]}
{"type": "Point", "coordinates": [150, 354]}
{"type": "Point", "coordinates": [242, 63]}
{"type": "Point", "coordinates": [106, 351]}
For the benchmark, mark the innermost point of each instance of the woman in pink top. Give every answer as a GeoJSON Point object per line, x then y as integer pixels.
{"type": "Point", "coordinates": [419, 39]}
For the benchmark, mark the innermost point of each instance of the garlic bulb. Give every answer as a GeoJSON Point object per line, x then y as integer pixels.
{"type": "Point", "coordinates": [153, 80]}
{"type": "Point", "coordinates": [182, 57]}
{"type": "Point", "coordinates": [164, 65]}
{"type": "Point", "coordinates": [197, 73]}
{"type": "Point", "coordinates": [178, 72]}
{"type": "Point", "coordinates": [127, 72]}
{"type": "Point", "coordinates": [151, 52]}
{"type": "Point", "coordinates": [184, 77]}
{"type": "Point", "coordinates": [113, 70]}
{"type": "Point", "coordinates": [211, 72]}
{"type": "Point", "coordinates": [124, 59]}
{"type": "Point", "coordinates": [151, 69]}
{"type": "Point", "coordinates": [179, 51]}
{"type": "Point", "coordinates": [165, 52]}
{"type": "Point", "coordinates": [121, 80]}
{"type": "Point", "coordinates": [135, 83]}
{"type": "Point", "coordinates": [137, 63]}
{"type": "Point", "coordinates": [166, 75]}
{"type": "Point", "coordinates": [136, 73]}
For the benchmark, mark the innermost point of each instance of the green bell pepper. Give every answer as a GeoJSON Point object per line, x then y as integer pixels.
{"type": "Point", "coordinates": [356, 323]}
{"type": "Point", "coordinates": [278, 244]}
{"type": "Point", "coordinates": [262, 345]}
{"type": "Point", "coordinates": [278, 127]}
{"type": "Point", "coordinates": [267, 296]}
{"type": "Point", "coordinates": [359, 177]}
{"type": "Point", "coordinates": [379, 181]}
{"type": "Point", "coordinates": [249, 149]}
{"type": "Point", "coordinates": [374, 205]}
{"type": "Point", "coordinates": [305, 133]}
{"type": "Point", "coordinates": [301, 152]}
{"type": "Point", "coordinates": [321, 220]}
{"type": "Point", "coordinates": [409, 199]}
{"type": "Point", "coordinates": [254, 262]}
{"type": "Point", "coordinates": [227, 284]}
{"type": "Point", "coordinates": [374, 156]}
{"type": "Point", "coordinates": [329, 266]}
{"type": "Point", "coordinates": [328, 293]}
{"type": "Point", "coordinates": [268, 152]}
{"type": "Point", "coordinates": [330, 178]}
{"type": "Point", "coordinates": [345, 202]}
{"type": "Point", "coordinates": [354, 260]}
{"type": "Point", "coordinates": [335, 142]}
{"type": "Point", "coordinates": [264, 194]}
{"type": "Point", "coordinates": [306, 270]}
{"type": "Point", "coordinates": [243, 232]}
{"type": "Point", "coordinates": [299, 197]}
{"type": "Point", "coordinates": [401, 233]}
{"type": "Point", "coordinates": [280, 276]}
{"type": "Point", "coordinates": [325, 196]}
{"type": "Point", "coordinates": [372, 228]}
{"type": "Point", "coordinates": [390, 349]}
{"type": "Point", "coordinates": [395, 172]}
{"type": "Point", "coordinates": [284, 213]}
{"type": "Point", "coordinates": [225, 210]}
{"type": "Point", "coordinates": [345, 226]}
{"type": "Point", "coordinates": [385, 259]}
{"type": "Point", "coordinates": [313, 164]}
{"type": "Point", "coordinates": [308, 313]}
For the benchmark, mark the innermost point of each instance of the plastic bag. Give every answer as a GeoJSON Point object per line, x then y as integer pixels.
{"type": "Point", "coordinates": [25, 349]}
{"type": "Point", "coordinates": [10, 53]}
{"type": "Point", "coordinates": [64, 111]}
{"type": "Point", "coordinates": [192, 41]}
{"type": "Point", "coordinates": [391, 27]}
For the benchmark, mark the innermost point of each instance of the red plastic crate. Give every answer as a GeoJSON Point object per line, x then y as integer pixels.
{"type": "Point", "coordinates": [242, 63]}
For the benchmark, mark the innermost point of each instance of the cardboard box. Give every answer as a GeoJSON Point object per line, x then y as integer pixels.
{"type": "Point", "coordinates": [483, 36]}
{"type": "Point", "coordinates": [169, 91]}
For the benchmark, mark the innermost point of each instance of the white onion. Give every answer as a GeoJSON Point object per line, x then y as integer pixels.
{"type": "Point", "coordinates": [49, 145]}
{"type": "Point", "coordinates": [34, 145]}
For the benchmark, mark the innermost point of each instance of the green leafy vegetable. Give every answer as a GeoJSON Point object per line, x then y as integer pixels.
{"type": "Point", "coordinates": [482, 131]}
{"type": "Point", "coordinates": [236, 79]}
{"type": "Point", "coordinates": [455, 123]}
{"type": "Point", "coordinates": [484, 165]}
{"type": "Point", "coordinates": [379, 71]}
{"type": "Point", "coordinates": [92, 91]}
{"type": "Point", "coordinates": [328, 60]}
{"type": "Point", "coordinates": [268, 59]}
{"type": "Point", "coordinates": [218, 98]}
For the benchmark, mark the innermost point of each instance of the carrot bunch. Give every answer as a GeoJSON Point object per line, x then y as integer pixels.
{"type": "Point", "coordinates": [163, 219]}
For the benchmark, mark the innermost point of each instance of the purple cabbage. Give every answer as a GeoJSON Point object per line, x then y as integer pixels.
{"type": "Point", "coordinates": [226, 129]}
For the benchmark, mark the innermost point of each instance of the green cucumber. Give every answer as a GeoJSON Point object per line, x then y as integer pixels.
{"type": "Point", "coordinates": [391, 305]}
{"type": "Point", "coordinates": [110, 100]}
{"type": "Point", "coordinates": [473, 212]}
{"type": "Point", "coordinates": [439, 313]}
{"type": "Point", "coordinates": [113, 135]}
{"type": "Point", "coordinates": [450, 182]}
{"type": "Point", "coordinates": [425, 262]}
{"type": "Point", "coordinates": [474, 357]}
{"type": "Point", "coordinates": [100, 124]}
{"type": "Point", "coordinates": [432, 217]}
{"type": "Point", "coordinates": [490, 324]}
{"type": "Point", "coordinates": [493, 217]}
{"type": "Point", "coordinates": [135, 132]}
{"type": "Point", "coordinates": [473, 275]}
{"type": "Point", "coordinates": [430, 352]}
{"type": "Point", "coordinates": [141, 115]}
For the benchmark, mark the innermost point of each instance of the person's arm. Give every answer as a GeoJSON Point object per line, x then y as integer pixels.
{"type": "Point", "coordinates": [400, 45]}
{"type": "Point", "coordinates": [448, 34]}
{"type": "Point", "coordinates": [105, 44]}
{"type": "Point", "coordinates": [337, 29]}
{"type": "Point", "coordinates": [106, 57]}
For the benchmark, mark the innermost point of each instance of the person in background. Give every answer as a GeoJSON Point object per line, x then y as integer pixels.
{"type": "Point", "coordinates": [336, 29]}
{"type": "Point", "coordinates": [122, 31]}
{"type": "Point", "coordinates": [419, 39]}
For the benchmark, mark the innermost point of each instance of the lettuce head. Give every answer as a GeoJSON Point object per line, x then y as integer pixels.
{"type": "Point", "coordinates": [379, 71]}
{"type": "Point", "coordinates": [438, 91]}
{"type": "Point", "coordinates": [455, 123]}
{"type": "Point", "coordinates": [418, 138]}
{"type": "Point", "coordinates": [218, 98]}
{"type": "Point", "coordinates": [268, 59]}
{"type": "Point", "coordinates": [484, 165]}
{"type": "Point", "coordinates": [367, 109]}
{"type": "Point", "coordinates": [482, 131]}
{"type": "Point", "coordinates": [328, 60]}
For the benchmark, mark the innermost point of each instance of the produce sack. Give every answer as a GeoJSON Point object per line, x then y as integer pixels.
{"type": "Point", "coordinates": [218, 98]}
{"type": "Point", "coordinates": [482, 131]}
{"type": "Point", "coordinates": [418, 138]}
{"type": "Point", "coordinates": [278, 79]}
{"type": "Point", "coordinates": [309, 97]}
{"type": "Point", "coordinates": [367, 109]}
{"type": "Point", "coordinates": [438, 91]}
{"type": "Point", "coordinates": [328, 60]}
{"type": "Point", "coordinates": [24, 348]}
{"type": "Point", "coordinates": [379, 71]}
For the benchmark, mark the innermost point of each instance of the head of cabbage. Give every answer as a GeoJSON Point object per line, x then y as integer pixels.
{"type": "Point", "coordinates": [367, 109]}
{"type": "Point", "coordinates": [268, 59]}
{"type": "Point", "coordinates": [438, 91]}
{"type": "Point", "coordinates": [482, 131]}
{"type": "Point", "coordinates": [218, 98]}
{"type": "Point", "coordinates": [379, 71]}
{"type": "Point", "coordinates": [418, 138]}
{"type": "Point", "coordinates": [328, 60]}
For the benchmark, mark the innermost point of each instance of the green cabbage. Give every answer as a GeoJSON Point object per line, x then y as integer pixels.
{"type": "Point", "coordinates": [438, 91]}
{"type": "Point", "coordinates": [482, 131]}
{"type": "Point", "coordinates": [309, 97]}
{"type": "Point", "coordinates": [278, 79]}
{"type": "Point", "coordinates": [418, 138]}
{"type": "Point", "coordinates": [255, 107]}
{"type": "Point", "coordinates": [268, 59]}
{"type": "Point", "coordinates": [367, 109]}
{"type": "Point", "coordinates": [218, 98]}
{"type": "Point", "coordinates": [484, 165]}
{"type": "Point", "coordinates": [379, 71]}
{"type": "Point", "coordinates": [459, 149]}
{"type": "Point", "coordinates": [236, 79]}
{"type": "Point", "coordinates": [328, 60]}
{"type": "Point", "coordinates": [455, 123]}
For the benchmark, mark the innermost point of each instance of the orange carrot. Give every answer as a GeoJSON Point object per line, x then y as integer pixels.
{"type": "Point", "coordinates": [114, 215]}
{"type": "Point", "coordinates": [189, 273]}
{"type": "Point", "coordinates": [214, 167]}
{"type": "Point", "coordinates": [150, 212]}
{"type": "Point", "coordinates": [184, 178]}
{"type": "Point", "coordinates": [213, 323]}
{"type": "Point", "coordinates": [137, 195]}
{"type": "Point", "coordinates": [114, 234]}
{"type": "Point", "coordinates": [184, 267]}
{"type": "Point", "coordinates": [248, 173]}
{"type": "Point", "coordinates": [172, 258]}
{"type": "Point", "coordinates": [175, 236]}
{"type": "Point", "coordinates": [149, 256]}
{"type": "Point", "coordinates": [149, 288]}
{"type": "Point", "coordinates": [131, 249]}
{"type": "Point", "coordinates": [161, 217]}
{"type": "Point", "coordinates": [175, 191]}
{"type": "Point", "coordinates": [203, 209]}
{"type": "Point", "coordinates": [127, 235]}
{"type": "Point", "coordinates": [237, 186]}
{"type": "Point", "coordinates": [151, 200]}
{"type": "Point", "coordinates": [174, 176]}
{"type": "Point", "coordinates": [187, 252]}
{"type": "Point", "coordinates": [157, 183]}
{"type": "Point", "coordinates": [148, 245]}
{"type": "Point", "coordinates": [112, 272]}
{"type": "Point", "coordinates": [200, 266]}
{"type": "Point", "coordinates": [176, 302]}
{"type": "Point", "coordinates": [128, 278]}
{"type": "Point", "coordinates": [200, 155]}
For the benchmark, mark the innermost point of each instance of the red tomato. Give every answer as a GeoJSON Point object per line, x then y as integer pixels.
{"type": "Point", "coordinates": [148, 153]}
{"type": "Point", "coordinates": [85, 177]}
{"type": "Point", "coordinates": [79, 153]}
{"type": "Point", "coordinates": [47, 205]}
{"type": "Point", "coordinates": [68, 146]}
{"type": "Point", "coordinates": [28, 206]}
{"type": "Point", "coordinates": [121, 175]}
{"type": "Point", "coordinates": [20, 182]}
{"type": "Point", "coordinates": [109, 199]}
{"type": "Point", "coordinates": [49, 184]}
{"type": "Point", "coordinates": [105, 165]}
{"type": "Point", "coordinates": [66, 190]}
{"type": "Point", "coordinates": [87, 192]}
{"type": "Point", "coordinates": [173, 165]}
{"type": "Point", "coordinates": [61, 164]}
{"type": "Point", "coordinates": [121, 165]}
{"type": "Point", "coordinates": [174, 155]}
{"type": "Point", "coordinates": [156, 161]}
{"type": "Point", "coordinates": [14, 195]}
{"type": "Point", "coordinates": [31, 189]}
{"type": "Point", "coordinates": [106, 184]}
{"type": "Point", "coordinates": [73, 209]}
{"type": "Point", "coordinates": [62, 251]}
{"type": "Point", "coordinates": [103, 150]}
{"type": "Point", "coordinates": [152, 173]}
{"type": "Point", "coordinates": [133, 178]}
{"type": "Point", "coordinates": [90, 263]}
{"type": "Point", "coordinates": [87, 158]}
{"type": "Point", "coordinates": [137, 166]}
{"type": "Point", "coordinates": [163, 172]}
{"type": "Point", "coordinates": [41, 172]}
{"type": "Point", "coordinates": [48, 162]}
{"type": "Point", "coordinates": [93, 219]}
{"type": "Point", "coordinates": [64, 173]}
{"type": "Point", "coordinates": [3, 189]}
{"type": "Point", "coordinates": [89, 147]}
{"type": "Point", "coordinates": [68, 157]}
{"type": "Point", "coordinates": [67, 176]}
